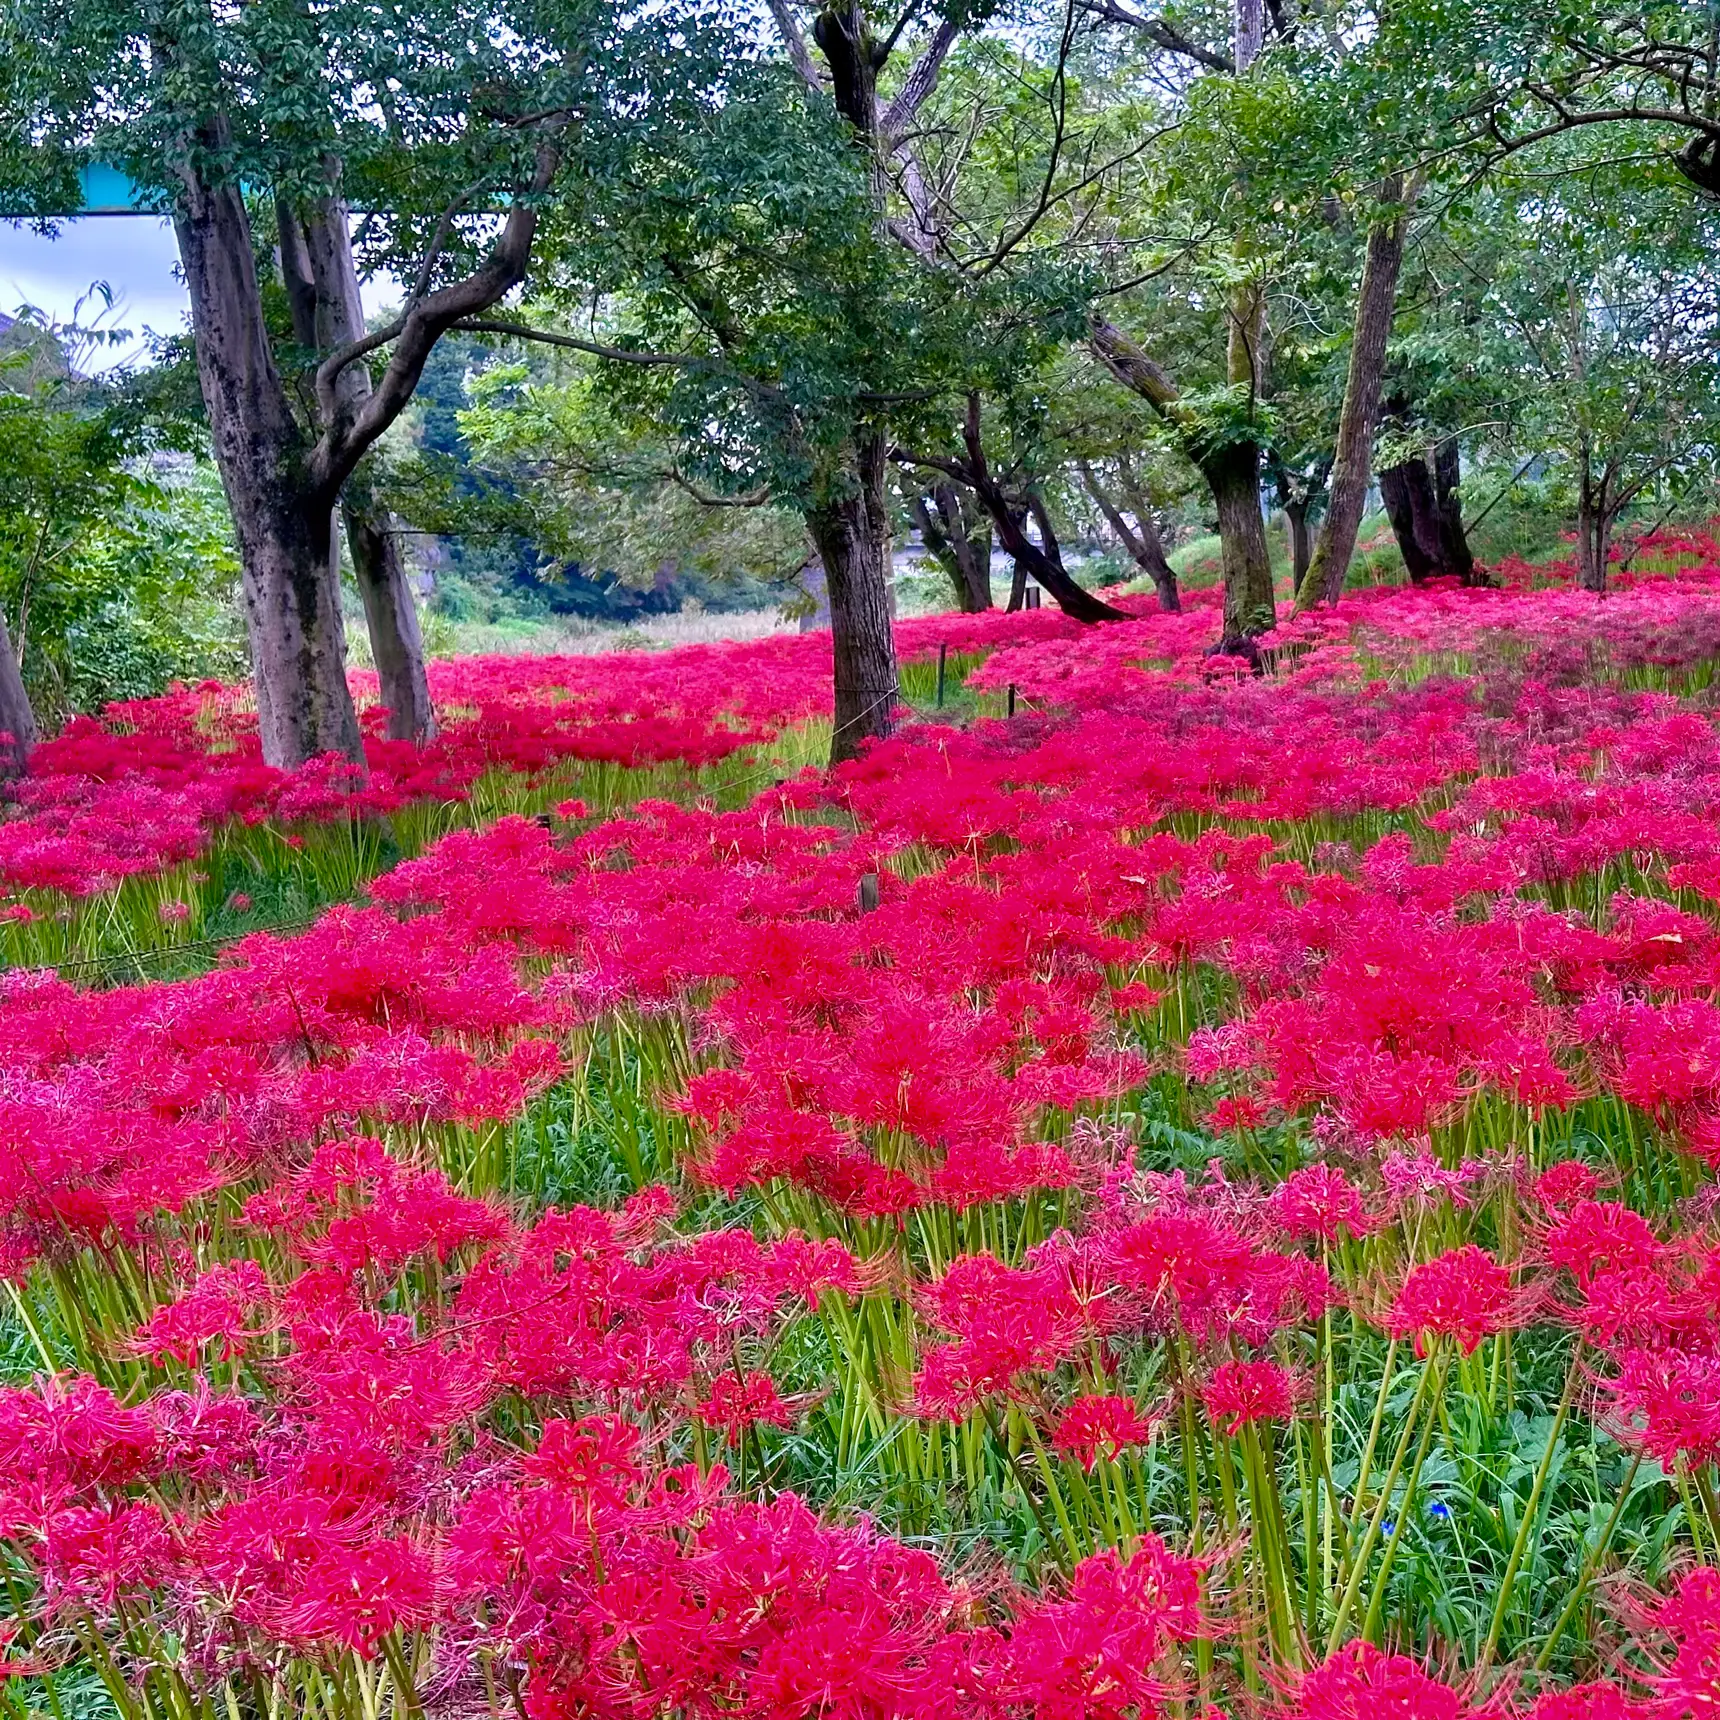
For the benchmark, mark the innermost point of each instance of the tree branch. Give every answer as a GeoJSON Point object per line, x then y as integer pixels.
{"type": "Point", "coordinates": [794, 44]}
{"type": "Point", "coordinates": [554, 337]}
{"type": "Point", "coordinates": [1160, 34]}
{"type": "Point", "coordinates": [921, 80]}
{"type": "Point", "coordinates": [709, 499]}
{"type": "Point", "coordinates": [348, 434]}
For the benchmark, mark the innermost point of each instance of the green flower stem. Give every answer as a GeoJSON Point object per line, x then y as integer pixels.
{"type": "Point", "coordinates": [1503, 1604]}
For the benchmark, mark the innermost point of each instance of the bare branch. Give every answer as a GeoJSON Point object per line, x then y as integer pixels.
{"type": "Point", "coordinates": [921, 80]}
{"type": "Point", "coordinates": [709, 499]}
{"type": "Point", "coordinates": [1160, 34]}
{"type": "Point", "coordinates": [554, 337]}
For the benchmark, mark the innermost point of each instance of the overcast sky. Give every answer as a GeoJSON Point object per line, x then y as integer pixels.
{"type": "Point", "coordinates": [134, 254]}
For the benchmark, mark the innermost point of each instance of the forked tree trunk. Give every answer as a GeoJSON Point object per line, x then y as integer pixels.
{"type": "Point", "coordinates": [322, 288]}
{"type": "Point", "coordinates": [852, 535]}
{"type": "Point", "coordinates": [1407, 491]}
{"type": "Point", "coordinates": [17, 718]}
{"type": "Point", "coordinates": [289, 574]}
{"type": "Point", "coordinates": [1359, 418]}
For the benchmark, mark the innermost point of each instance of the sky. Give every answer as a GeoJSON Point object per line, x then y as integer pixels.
{"type": "Point", "coordinates": [134, 254]}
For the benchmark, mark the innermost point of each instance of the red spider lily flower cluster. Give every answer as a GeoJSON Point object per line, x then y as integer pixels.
{"type": "Point", "coordinates": [346, 1397]}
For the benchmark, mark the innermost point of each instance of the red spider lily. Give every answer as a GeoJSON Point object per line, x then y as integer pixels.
{"type": "Point", "coordinates": [1568, 1181]}
{"type": "Point", "coordinates": [1667, 1403]}
{"type": "Point", "coordinates": [1363, 1683]}
{"type": "Point", "coordinates": [734, 1405]}
{"type": "Point", "coordinates": [91, 1554]}
{"type": "Point", "coordinates": [1092, 1653]}
{"type": "Point", "coordinates": [1464, 1294]}
{"type": "Point", "coordinates": [595, 1458]}
{"type": "Point", "coordinates": [1319, 1201]}
{"type": "Point", "coordinates": [214, 1314]}
{"type": "Point", "coordinates": [1688, 1683]}
{"type": "Point", "coordinates": [1237, 1394]}
{"type": "Point", "coordinates": [1592, 1236]}
{"type": "Point", "coordinates": [357, 1595]}
{"type": "Point", "coordinates": [1100, 1426]}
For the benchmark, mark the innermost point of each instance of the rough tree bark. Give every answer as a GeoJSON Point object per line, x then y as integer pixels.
{"type": "Point", "coordinates": [17, 718]}
{"type": "Point", "coordinates": [1142, 541]}
{"type": "Point", "coordinates": [1232, 474]}
{"type": "Point", "coordinates": [322, 288]}
{"type": "Point", "coordinates": [851, 527]}
{"type": "Point", "coordinates": [1407, 491]}
{"type": "Point", "coordinates": [1359, 418]}
{"type": "Point", "coordinates": [291, 591]}
{"type": "Point", "coordinates": [282, 484]}
{"type": "Point", "coordinates": [958, 541]}
{"type": "Point", "coordinates": [852, 535]}
{"type": "Point", "coordinates": [1448, 511]}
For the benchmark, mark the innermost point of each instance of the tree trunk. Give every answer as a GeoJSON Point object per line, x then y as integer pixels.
{"type": "Point", "coordinates": [328, 312]}
{"type": "Point", "coordinates": [391, 616]}
{"type": "Point", "coordinates": [1301, 541]}
{"type": "Point", "coordinates": [1448, 511]}
{"type": "Point", "coordinates": [1407, 491]}
{"type": "Point", "coordinates": [1147, 528]}
{"type": "Point", "coordinates": [17, 719]}
{"type": "Point", "coordinates": [955, 540]}
{"type": "Point", "coordinates": [852, 535]}
{"type": "Point", "coordinates": [1043, 565]}
{"type": "Point", "coordinates": [1594, 530]}
{"type": "Point", "coordinates": [1233, 473]}
{"type": "Point", "coordinates": [289, 573]}
{"type": "Point", "coordinates": [1146, 549]}
{"type": "Point", "coordinates": [1043, 561]}
{"type": "Point", "coordinates": [969, 533]}
{"type": "Point", "coordinates": [1018, 574]}
{"type": "Point", "coordinates": [852, 527]}
{"type": "Point", "coordinates": [1358, 421]}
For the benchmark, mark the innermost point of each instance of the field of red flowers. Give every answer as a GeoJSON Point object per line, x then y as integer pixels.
{"type": "Point", "coordinates": [1193, 1199]}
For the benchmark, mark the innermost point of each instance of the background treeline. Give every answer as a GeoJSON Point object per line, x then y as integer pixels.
{"type": "Point", "coordinates": [1282, 294]}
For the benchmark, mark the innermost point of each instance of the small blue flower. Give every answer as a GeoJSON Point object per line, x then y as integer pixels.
{"type": "Point", "coordinates": [1388, 1528]}
{"type": "Point", "coordinates": [1440, 1510]}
